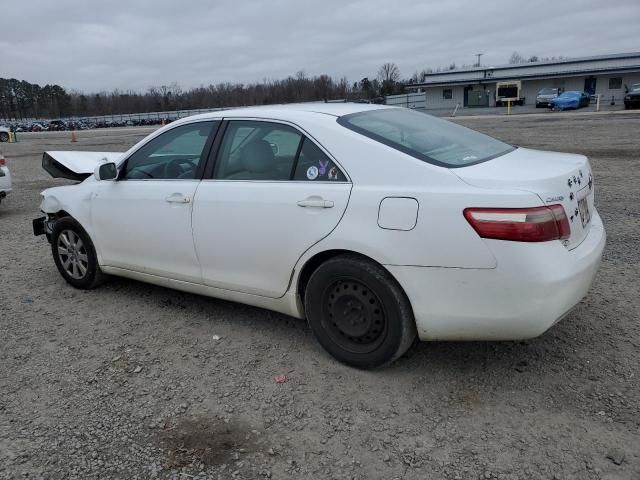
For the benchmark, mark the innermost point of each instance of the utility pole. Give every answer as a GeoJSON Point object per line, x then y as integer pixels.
{"type": "Point", "coordinates": [478, 55]}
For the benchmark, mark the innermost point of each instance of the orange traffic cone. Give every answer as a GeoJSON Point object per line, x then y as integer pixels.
{"type": "Point", "coordinates": [73, 136]}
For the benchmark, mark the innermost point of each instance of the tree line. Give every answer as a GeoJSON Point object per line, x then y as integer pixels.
{"type": "Point", "coordinates": [20, 99]}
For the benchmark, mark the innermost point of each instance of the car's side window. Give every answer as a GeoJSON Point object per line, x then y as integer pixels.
{"type": "Point", "coordinates": [254, 150]}
{"type": "Point", "coordinates": [174, 155]}
{"type": "Point", "coordinates": [314, 165]}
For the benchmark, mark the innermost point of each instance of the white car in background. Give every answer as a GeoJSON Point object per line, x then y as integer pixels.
{"type": "Point", "coordinates": [4, 134]}
{"type": "Point", "coordinates": [377, 224]}
{"type": "Point", "coordinates": [5, 178]}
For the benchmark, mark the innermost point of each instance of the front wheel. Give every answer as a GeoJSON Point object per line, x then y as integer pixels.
{"type": "Point", "coordinates": [74, 254]}
{"type": "Point", "coordinates": [4, 137]}
{"type": "Point", "coordinates": [358, 312]}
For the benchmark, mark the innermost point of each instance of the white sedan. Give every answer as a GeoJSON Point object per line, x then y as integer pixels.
{"type": "Point", "coordinates": [5, 178]}
{"type": "Point", "coordinates": [4, 134]}
{"type": "Point", "coordinates": [378, 225]}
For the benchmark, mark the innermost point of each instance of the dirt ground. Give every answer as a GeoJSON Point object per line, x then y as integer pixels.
{"type": "Point", "coordinates": [132, 381]}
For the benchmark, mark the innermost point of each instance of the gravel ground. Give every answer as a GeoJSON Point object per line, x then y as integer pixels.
{"type": "Point", "coordinates": [134, 381]}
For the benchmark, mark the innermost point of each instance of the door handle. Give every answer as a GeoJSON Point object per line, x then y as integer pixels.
{"type": "Point", "coordinates": [315, 202]}
{"type": "Point", "coordinates": [177, 198]}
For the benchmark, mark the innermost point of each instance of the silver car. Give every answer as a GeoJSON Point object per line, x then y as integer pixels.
{"type": "Point", "coordinates": [545, 96]}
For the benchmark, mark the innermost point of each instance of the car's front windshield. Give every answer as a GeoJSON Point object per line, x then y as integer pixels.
{"type": "Point", "coordinates": [548, 91]}
{"type": "Point", "coordinates": [635, 87]}
{"type": "Point", "coordinates": [425, 137]}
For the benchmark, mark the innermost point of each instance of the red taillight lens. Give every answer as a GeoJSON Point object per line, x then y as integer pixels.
{"type": "Point", "coordinates": [3, 162]}
{"type": "Point", "coordinates": [537, 224]}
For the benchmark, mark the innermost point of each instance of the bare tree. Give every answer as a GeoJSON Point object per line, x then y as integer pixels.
{"type": "Point", "coordinates": [389, 72]}
{"type": "Point", "coordinates": [517, 58]}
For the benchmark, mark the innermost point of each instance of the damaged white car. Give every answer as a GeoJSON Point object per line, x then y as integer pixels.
{"type": "Point", "coordinates": [378, 225]}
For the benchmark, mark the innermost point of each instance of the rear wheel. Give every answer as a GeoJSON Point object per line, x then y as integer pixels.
{"type": "Point", "coordinates": [358, 312]}
{"type": "Point", "coordinates": [74, 254]}
{"type": "Point", "coordinates": [4, 137]}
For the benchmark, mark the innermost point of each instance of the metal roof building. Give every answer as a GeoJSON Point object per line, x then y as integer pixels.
{"type": "Point", "coordinates": [607, 75]}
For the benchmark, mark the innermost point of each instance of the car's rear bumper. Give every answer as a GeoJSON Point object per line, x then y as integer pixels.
{"type": "Point", "coordinates": [533, 286]}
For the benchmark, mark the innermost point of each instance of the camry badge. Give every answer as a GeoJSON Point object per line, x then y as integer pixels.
{"type": "Point", "coordinates": [554, 199]}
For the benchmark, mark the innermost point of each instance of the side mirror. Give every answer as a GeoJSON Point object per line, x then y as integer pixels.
{"type": "Point", "coordinates": [106, 171]}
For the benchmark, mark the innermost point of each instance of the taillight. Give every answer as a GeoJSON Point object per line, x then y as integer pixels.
{"type": "Point", "coordinates": [3, 162]}
{"type": "Point", "coordinates": [537, 224]}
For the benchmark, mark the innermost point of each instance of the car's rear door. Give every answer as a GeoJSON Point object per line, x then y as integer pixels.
{"type": "Point", "coordinates": [142, 221]}
{"type": "Point", "coordinates": [273, 193]}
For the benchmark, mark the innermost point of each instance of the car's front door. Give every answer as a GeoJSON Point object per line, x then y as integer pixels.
{"type": "Point", "coordinates": [273, 194]}
{"type": "Point", "coordinates": [142, 221]}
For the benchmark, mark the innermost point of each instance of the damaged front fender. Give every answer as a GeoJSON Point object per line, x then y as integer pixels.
{"type": "Point", "coordinates": [50, 204]}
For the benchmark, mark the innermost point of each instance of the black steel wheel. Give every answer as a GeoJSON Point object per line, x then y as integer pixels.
{"type": "Point", "coordinates": [358, 312]}
{"type": "Point", "coordinates": [4, 137]}
{"type": "Point", "coordinates": [355, 316]}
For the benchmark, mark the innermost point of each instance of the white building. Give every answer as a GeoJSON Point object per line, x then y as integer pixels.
{"type": "Point", "coordinates": [607, 75]}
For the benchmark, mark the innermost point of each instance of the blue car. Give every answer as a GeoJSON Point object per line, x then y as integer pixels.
{"type": "Point", "coordinates": [570, 100]}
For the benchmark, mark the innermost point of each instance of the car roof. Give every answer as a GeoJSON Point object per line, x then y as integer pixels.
{"type": "Point", "coordinates": [285, 111]}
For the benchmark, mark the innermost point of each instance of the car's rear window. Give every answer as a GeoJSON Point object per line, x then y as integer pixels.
{"type": "Point", "coordinates": [425, 137]}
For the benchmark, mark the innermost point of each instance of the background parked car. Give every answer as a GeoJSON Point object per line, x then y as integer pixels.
{"type": "Point", "coordinates": [4, 134]}
{"type": "Point", "coordinates": [570, 100]}
{"type": "Point", "coordinates": [5, 178]}
{"type": "Point", "coordinates": [546, 95]}
{"type": "Point", "coordinates": [632, 98]}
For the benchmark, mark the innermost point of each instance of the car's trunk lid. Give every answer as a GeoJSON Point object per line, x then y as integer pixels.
{"type": "Point", "coordinates": [75, 165]}
{"type": "Point", "coordinates": [557, 178]}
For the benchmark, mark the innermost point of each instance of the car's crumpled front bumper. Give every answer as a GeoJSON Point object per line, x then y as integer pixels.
{"type": "Point", "coordinates": [43, 226]}
{"type": "Point", "coordinates": [533, 287]}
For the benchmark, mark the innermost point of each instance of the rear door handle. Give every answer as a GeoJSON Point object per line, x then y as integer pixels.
{"type": "Point", "coordinates": [315, 202]}
{"type": "Point", "coordinates": [177, 198]}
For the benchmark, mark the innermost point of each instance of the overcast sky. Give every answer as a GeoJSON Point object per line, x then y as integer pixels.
{"type": "Point", "coordinates": [94, 46]}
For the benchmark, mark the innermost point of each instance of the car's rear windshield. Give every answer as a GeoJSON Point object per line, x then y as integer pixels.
{"type": "Point", "coordinates": [548, 91]}
{"type": "Point", "coordinates": [425, 137]}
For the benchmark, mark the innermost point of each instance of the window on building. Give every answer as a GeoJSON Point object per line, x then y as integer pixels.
{"type": "Point", "coordinates": [615, 83]}
{"type": "Point", "coordinates": [447, 94]}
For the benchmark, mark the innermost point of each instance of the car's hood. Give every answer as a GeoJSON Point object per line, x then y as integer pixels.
{"type": "Point", "coordinates": [76, 165]}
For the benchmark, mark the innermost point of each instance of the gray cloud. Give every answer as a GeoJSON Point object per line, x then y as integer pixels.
{"type": "Point", "coordinates": [132, 44]}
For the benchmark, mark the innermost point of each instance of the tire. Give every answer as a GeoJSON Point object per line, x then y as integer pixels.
{"type": "Point", "coordinates": [4, 137]}
{"type": "Point", "coordinates": [358, 312]}
{"type": "Point", "coordinates": [80, 267]}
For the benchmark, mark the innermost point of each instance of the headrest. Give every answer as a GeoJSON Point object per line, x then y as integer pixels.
{"type": "Point", "coordinates": [257, 157]}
